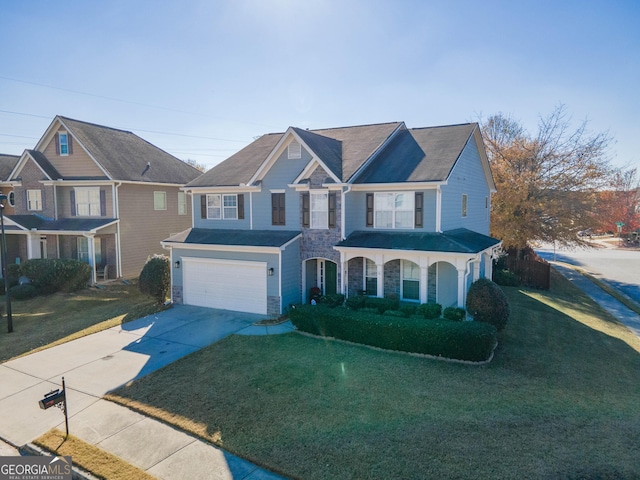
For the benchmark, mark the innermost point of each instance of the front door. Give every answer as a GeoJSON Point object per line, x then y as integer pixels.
{"type": "Point", "coordinates": [322, 274]}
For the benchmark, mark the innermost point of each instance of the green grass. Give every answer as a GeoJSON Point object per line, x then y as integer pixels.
{"type": "Point", "coordinates": [90, 458]}
{"type": "Point", "coordinates": [45, 321]}
{"type": "Point", "coordinates": [560, 400]}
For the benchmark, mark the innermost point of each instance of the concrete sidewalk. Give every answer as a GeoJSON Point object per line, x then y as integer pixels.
{"type": "Point", "coordinates": [627, 316]}
{"type": "Point", "coordinates": [98, 363]}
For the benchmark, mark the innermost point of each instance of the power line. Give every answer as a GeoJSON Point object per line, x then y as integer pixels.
{"type": "Point", "coordinates": [131, 102]}
{"type": "Point", "coordinates": [136, 129]}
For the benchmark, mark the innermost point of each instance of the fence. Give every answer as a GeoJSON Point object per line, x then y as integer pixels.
{"type": "Point", "coordinates": [532, 270]}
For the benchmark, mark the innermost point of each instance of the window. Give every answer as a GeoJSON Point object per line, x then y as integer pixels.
{"type": "Point", "coordinates": [87, 201]}
{"type": "Point", "coordinates": [159, 200]}
{"type": "Point", "coordinates": [394, 210]}
{"type": "Point", "coordinates": [464, 204]}
{"type": "Point", "coordinates": [222, 207]}
{"type": "Point", "coordinates": [83, 249]}
{"type": "Point", "coordinates": [277, 209]}
{"type": "Point", "coordinates": [294, 151]}
{"type": "Point", "coordinates": [319, 210]}
{"type": "Point", "coordinates": [34, 200]}
{"type": "Point", "coordinates": [410, 281]}
{"type": "Point", "coordinates": [11, 198]}
{"type": "Point", "coordinates": [182, 203]}
{"type": "Point", "coordinates": [370, 278]}
{"type": "Point", "coordinates": [63, 143]}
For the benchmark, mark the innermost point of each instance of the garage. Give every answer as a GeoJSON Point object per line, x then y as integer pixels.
{"type": "Point", "coordinates": [226, 284]}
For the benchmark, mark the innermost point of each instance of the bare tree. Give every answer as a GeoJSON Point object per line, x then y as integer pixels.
{"type": "Point", "coordinates": [546, 183]}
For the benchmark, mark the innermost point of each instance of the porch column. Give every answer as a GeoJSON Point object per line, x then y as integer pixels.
{"type": "Point", "coordinates": [380, 276]}
{"type": "Point", "coordinates": [476, 270]}
{"type": "Point", "coordinates": [92, 258]}
{"type": "Point", "coordinates": [424, 280]}
{"type": "Point", "coordinates": [461, 286]}
{"type": "Point", "coordinates": [343, 275]}
{"type": "Point", "coordinates": [488, 266]}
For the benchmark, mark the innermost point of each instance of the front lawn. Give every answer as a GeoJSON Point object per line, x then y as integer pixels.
{"type": "Point", "coordinates": [559, 400]}
{"type": "Point", "coordinates": [45, 321]}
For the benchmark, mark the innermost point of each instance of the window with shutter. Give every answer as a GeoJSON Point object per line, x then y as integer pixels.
{"type": "Point", "coordinates": [277, 209]}
{"type": "Point", "coordinates": [306, 210]}
{"type": "Point", "coordinates": [419, 221]}
{"type": "Point", "coordinates": [369, 209]}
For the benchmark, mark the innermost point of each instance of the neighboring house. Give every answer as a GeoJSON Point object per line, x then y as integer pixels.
{"type": "Point", "coordinates": [96, 194]}
{"type": "Point", "coordinates": [378, 210]}
{"type": "Point", "coordinates": [7, 164]}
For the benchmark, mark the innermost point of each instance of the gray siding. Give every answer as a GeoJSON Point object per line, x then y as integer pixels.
{"type": "Point", "coordinates": [258, 204]}
{"type": "Point", "coordinates": [291, 275]}
{"type": "Point", "coordinates": [467, 178]}
{"type": "Point", "coordinates": [356, 210]}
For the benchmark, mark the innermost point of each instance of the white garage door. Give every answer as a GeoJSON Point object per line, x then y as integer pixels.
{"type": "Point", "coordinates": [226, 284]}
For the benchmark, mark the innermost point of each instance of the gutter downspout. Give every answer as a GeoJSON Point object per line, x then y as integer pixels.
{"type": "Point", "coordinates": [116, 210]}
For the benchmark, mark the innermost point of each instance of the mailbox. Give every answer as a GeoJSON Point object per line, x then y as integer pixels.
{"type": "Point", "coordinates": [54, 397]}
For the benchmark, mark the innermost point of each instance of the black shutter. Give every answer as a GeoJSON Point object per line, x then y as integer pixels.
{"type": "Point", "coordinates": [277, 209]}
{"type": "Point", "coordinates": [240, 206]}
{"type": "Point", "coordinates": [56, 139]}
{"type": "Point", "coordinates": [418, 209]}
{"type": "Point", "coordinates": [103, 203]}
{"type": "Point", "coordinates": [203, 206]}
{"type": "Point", "coordinates": [306, 210]}
{"type": "Point", "coordinates": [369, 209]}
{"type": "Point", "coordinates": [69, 144]}
{"type": "Point", "coordinates": [332, 210]}
{"type": "Point", "coordinates": [72, 195]}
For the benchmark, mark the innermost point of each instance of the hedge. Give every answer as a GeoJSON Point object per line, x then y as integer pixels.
{"type": "Point", "coordinates": [470, 341]}
{"type": "Point", "coordinates": [54, 275]}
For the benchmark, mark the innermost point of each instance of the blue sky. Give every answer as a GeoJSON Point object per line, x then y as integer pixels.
{"type": "Point", "coordinates": [201, 78]}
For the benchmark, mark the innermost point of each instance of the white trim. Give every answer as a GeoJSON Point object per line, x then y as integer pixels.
{"type": "Point", "coordinates": [224, 261]}
{"type": "Point", "coordinates": [439, 210]}
{"type": "Point", "coordinates": [277, 190]}
{"type": "Point", "coordinates": [163, 192]}
{"type": "Point", "coordinates": [59, 146]}
{"type": "Point", "coordinates": [21, 163]}
{"type": "Point", "coordinates": [225, 189]}
{"type": "Point", "coordinates": [394, 211]}
{"type": "Point", "coordinates": [390, 187]}
{"type": "Point", "coordinates": [285, 245]}
{"type": "Point", "coordinates": [220, 248]}
{"type": "Point", "coordinates": [222, 206]}
{"type": "Point", "coordinates": [307, 170]}
{"type": "Point", "coordinates": [295, 153]}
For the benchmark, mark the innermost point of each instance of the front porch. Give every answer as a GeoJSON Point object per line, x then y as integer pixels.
{"type": "Point", "coordinates": [415, 267]}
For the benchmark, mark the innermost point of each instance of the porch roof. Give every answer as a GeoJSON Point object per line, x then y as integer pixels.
{"type": "Point", "coordinates": [248, 238]}
{"type": "Point", "coordinates": [35, 222]}
{"type": "Point", "coordinates": [460, 240]}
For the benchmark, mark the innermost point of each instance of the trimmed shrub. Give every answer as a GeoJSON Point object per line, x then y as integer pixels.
{"type": "Point", "coordinates": [370, 311]}
{"type": "Point", "coordinates": [23, 292]}
{"type": "Point", "coordinates": [333, 300]}
{"type": "Point", "coordinates": [408, 309]}
{"type": "Point", "coordinates": [382, 304]}
{"type": "Point", "coordinates": [357, 302]}
{"type": "Point", "coordinates": [54, 275]}
{"type": "Point", "coordinates": [486, 302]}
{"type": "Point", "coordinates": [155, 278]}
{"type": "Point", "coordinates": [395, 313]}
{"type": "Point", "coordinates": [454, 314]}
{"type": "Point", "coordinates": [429, 311]}
{"type": "Point", "coordinates": [471, 341]}
{"type": "Point", "coordinates": [506, 278]}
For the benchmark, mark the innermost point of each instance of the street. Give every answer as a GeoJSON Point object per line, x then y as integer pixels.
{"type": "Point", "coordinates": [619, 267]}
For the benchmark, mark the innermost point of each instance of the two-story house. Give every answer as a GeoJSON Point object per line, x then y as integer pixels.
{"type": "Point", "coordinates": [374, 210]}
{"type": "Point", "coordinates": [96, 194]}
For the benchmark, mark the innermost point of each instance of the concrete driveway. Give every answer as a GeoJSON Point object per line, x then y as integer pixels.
{"type": "Point", "coordinates": [98, 363]}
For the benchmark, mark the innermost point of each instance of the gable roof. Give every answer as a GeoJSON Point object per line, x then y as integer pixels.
{"type": "Point", "coordinates": [37, 222]}
{"type": "Point", "coordinates": [44, 163]}
{"type": "Point", "coordinates": [241, 166]}
{"type": "Point", "coordinates": [126, 157]}
{"type": "Point", "coordinates": [7, 164]}
{"type": "Point", "coordinates": [379, 153]}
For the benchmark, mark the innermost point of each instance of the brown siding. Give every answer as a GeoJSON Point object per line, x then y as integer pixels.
{"type": "Point", "coordinates": [31, 176]}
{"type": "Point", "coordinates": [78, 164]}
{"type": "Point", "coordinates": [64, 201]}
{"type": "Point", "coordinates": [142, 228]}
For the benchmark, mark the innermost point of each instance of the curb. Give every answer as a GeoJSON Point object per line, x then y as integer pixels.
{"type": "Point", "coordinates": [32, 450]}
